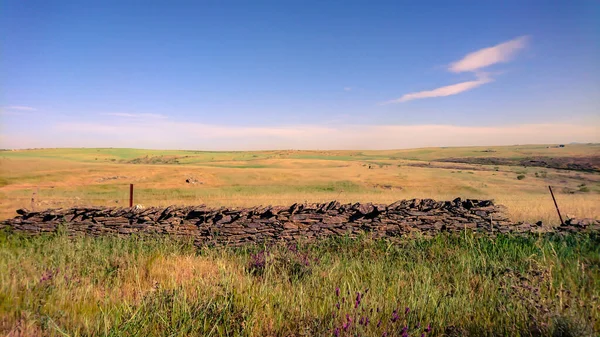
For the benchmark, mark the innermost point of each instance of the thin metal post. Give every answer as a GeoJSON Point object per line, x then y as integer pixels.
{"type": "Point", "coordinates": [33, 201]}
{"type": "Point", "coordinates": [556, 205]}
{"type": "Point", "coordinates": [130, 195]}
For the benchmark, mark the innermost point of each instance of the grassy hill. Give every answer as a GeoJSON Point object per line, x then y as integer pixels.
{"type": "Point", "coordinates": [70, 177]}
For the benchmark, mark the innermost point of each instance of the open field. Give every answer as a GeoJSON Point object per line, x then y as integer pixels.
{"type": "Point", "coordinates": [78, 177]}
{"type": "Point", "coordinates": [443, 286]}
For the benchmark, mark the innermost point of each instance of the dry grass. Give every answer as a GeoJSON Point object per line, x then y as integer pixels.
{"type": "Point", "coordinates": [53, 285]}
{"type": "Point", "coordinates": [73, 177]}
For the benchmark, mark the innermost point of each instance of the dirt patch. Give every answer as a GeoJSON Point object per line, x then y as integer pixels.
{"type": "Point", "coordinates": [584, 163]}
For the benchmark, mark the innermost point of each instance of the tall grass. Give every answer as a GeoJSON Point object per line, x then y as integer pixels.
{"type": "Point", "coordinates": [456, 285]}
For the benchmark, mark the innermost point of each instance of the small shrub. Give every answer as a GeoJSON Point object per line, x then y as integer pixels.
{"type": "Point", "coordinates": [584, 189]}
{"type": "Point", "coordinates": [521, 176]}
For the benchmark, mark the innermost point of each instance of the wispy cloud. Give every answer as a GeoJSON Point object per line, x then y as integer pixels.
{"type": "Point", "coordinates": [137, 115]}
{"type": "Point", "coordinates": [18, 108]}
{"type": "Point", "coordinates": [347, 89]}
{"type": "Point", "coordinates": [472, 62]}
{"type": "Point", "coordinates": [485, 57]}
{"type": "Point", "coordinates": [162, 134]}
{"type": "Point", "coordinates": [448, 90]}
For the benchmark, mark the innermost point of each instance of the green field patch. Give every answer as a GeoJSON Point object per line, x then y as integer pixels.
{"type": "Point", "coordinates": [154, 286]}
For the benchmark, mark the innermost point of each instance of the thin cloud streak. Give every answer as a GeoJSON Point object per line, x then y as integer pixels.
{"type": "Point", "coordinates": [138, 115]}
{"type": "Point", "coordinates": [182, 135]}
{"type": "Point", "coordinates": [482, 58]}
{"type": "Point", "coordinates": [448, 90]}
{"type": "Point", "coordinates": [472, 62]}
{"type": "Point", "coordinates": [19, 108]}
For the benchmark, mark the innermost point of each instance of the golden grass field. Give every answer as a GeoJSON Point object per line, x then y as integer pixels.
{"type": "Point", "coordinates": [84, 177]}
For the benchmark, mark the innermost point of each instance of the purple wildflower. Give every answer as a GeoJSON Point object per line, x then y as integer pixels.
{"type": "Point", "coordinates": [305, 260]}
{"type": "Point", "coordinates": [337, 305]}
{"type": "Point", "coordinates": [361, 320]}
{"type": "Point", "coordinates": [336, 333]}
{"type": "Point", "coordinates": [395, 316]}
{"type": "Point", "coordinates": [356, 303]}
{"type": "Point", "coordinates": [384, 334]}
{"type": "Point", "coordinates": [379, 323]}
{"type": "Point", "coordinates": [406, 310]}
{"type": "Point", "coordinates": [292, 248]}
{"type": "Point", "coordinates": [366, 321]}
{"type": "Point", "coordinates": [423, 334]}
{"type": "Point", "coordinates": [337, 291]}
{"type": "Point", "coordinates": [345, 326]}
{"type": "Point", "coordinates": [343, 300]}
{"type": "Point", "coordinates": [428, 328]}
{"type": "Point", "coordinates": [48, 275]}
{"type": "Point", "coordinates": [258, 262]}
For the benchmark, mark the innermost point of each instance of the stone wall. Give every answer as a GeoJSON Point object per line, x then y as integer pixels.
{"type": "Point", "coordinates": [296, 222]}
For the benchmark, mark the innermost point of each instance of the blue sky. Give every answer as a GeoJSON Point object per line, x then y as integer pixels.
{"type": "Point", "coordinates": [302, 75]}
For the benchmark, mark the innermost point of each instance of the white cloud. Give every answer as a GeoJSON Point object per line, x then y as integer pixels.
{"type": "Point", "coordinates": [482, 58]}
{"type": "Point", "coordinates": [347, 89]}
{"type": "Point", "coordinates": [18, 108]}
{"type": "Point", "coordinates": [138, 115]}
{"type": "Point", "coordinates": [448, 90]}
{"type": "Point", "coordinates": [472, 62]}
{"type": "Point", "coordinates": [160, 134]}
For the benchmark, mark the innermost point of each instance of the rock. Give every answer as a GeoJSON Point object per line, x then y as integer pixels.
{"type": "Point", "coordinates": [22, 211]}
{"type": "Point", "coordinates": [307, 221]}
{"type": "Point", "coordinates": [290, 225]}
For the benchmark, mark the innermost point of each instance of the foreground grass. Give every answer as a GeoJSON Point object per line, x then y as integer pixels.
{"type": "Point", "coordinates": [457, 285]}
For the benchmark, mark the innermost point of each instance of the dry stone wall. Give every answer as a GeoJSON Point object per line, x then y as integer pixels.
{"type": "Point", "coordinates": [295, 222]}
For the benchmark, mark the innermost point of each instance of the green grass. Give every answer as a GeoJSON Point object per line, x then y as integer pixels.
{"type": "Point", "coordinates": [199, 157]}
{"type": "Point", "coordinates": [148, 286]}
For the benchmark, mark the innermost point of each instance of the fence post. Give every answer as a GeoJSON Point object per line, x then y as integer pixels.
{"type": "Point", "coordinates": [33, 200]}
{"type": "Point", "coordinates": [556, 205]}
{"type": "Point", "coordinates": [130, 195]}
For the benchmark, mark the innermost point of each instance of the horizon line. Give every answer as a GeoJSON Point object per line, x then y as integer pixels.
{"type": "Point", "coordinates": [299, 150]}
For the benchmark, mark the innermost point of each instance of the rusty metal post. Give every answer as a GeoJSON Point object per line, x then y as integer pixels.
{"type": "Point", "coordinates": [556, 205]}
{"type": "Point", "coordinates": [130, 195]}
{"type": "Point", "coordinates": [33, 201]}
